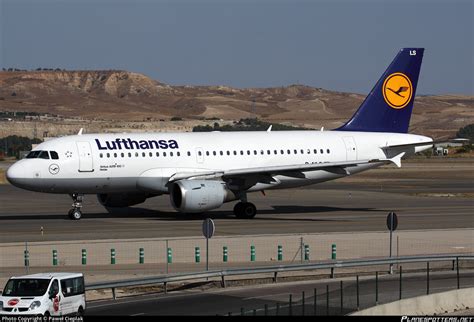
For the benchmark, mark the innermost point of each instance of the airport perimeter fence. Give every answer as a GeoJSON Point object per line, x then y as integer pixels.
{"type": "Point", "coordinates": [189, 254]}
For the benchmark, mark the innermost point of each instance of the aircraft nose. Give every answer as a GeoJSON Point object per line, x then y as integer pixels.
{"type": "Point", "coordinates": [15, 172]}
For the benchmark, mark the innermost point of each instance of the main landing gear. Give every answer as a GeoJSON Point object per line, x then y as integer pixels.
{"type": "Point", "coordinates": [245, 210]}
{"type": "Point", "coordinates": [75, 213]}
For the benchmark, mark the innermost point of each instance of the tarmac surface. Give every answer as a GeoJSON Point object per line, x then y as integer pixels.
{"type": "Point", "coordinates": [426, 194]}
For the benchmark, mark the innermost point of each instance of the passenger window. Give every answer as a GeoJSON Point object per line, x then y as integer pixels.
{"type": "Point", "coordinates": [235, 152]}
{"type": "Point", "coordinates": [328, 151]}
{"type": "Point", "coordinates": [221, 153]}
{"type": "Point", "coordinates": [207, 153]}
{"type": "Point", "coordinates": [214, 153]}
{"type": "Point", "coordinates": [302, 151]}
{"type": "Point", "coordinates": [288, 151]}
{"type": "Point", "coordinates": [269, 152]}
{"type": "Point", "coordinates": [164, 154]}
{"type": "Point", "coordinates": [200, 153]}
{"type": "Point", "coordinates": [296, 151]}
{"type": "Point", "coordinates": [248, 152]}
{"type": "Point", "coordinates": [228, 152]}
{"type": "Point", "coordinates": [321, 150]}
{"type": "Point", "coordinates": [122, 154]}
{"type": "Point", "coordinates": [157, 154]}
{"type": "Point", "coordinates": [255, 152]}
{"type": "Point", "coordinates": [143, 154]}
{"type": "Point", "coordinates": [136, 154]}
{"type": "Point", "coordinates": [309, 151]}
{"type": "Point", "coordinates": [189, 154]}
{"type": "Point", "coordinates": [241, 152]}
{"type": "Point", "coordinates": [171, 154]}
{"type": "Point", "coordinates": [43, 155]}
{"type": "Point", "coordinates": [178, 154]}
{"type": "Point", "coordinates": [282, 152]}
{"type": "Point", "coordinates": [101, 155]}
{"type": "Point", "coordinates": [54, 155]}
{"type": "Point", "coordinates": [129, 155]}
{"type": "Point", "coordinates": [315, 151]}
{"type": "Point", "coordinates": [108, 155]}
{"type": "Point", "coordinates": [150, 154]}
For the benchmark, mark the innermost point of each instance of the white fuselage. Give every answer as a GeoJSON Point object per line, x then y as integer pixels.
{"type": "Point", "coordinates": [132, 162]}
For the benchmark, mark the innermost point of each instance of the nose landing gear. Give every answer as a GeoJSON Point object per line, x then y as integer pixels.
{"type": "Point", "coordinates": [75, 213]}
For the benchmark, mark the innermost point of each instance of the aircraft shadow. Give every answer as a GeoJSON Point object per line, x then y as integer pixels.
{"type": "Point", "coordinates": [175, 216]}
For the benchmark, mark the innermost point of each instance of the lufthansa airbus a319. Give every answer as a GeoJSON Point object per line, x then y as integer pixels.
{"type": "Point", "coordinates": [202, 171]}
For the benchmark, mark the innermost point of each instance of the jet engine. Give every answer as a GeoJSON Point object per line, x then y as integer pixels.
{"type": "Point", "coordinates": [199, 195]}
{"type": "Point", "coordinates": [121, 199]}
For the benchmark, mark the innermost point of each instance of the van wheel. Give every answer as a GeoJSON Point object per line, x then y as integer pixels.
{"type": "Point", "coordinates": [80, 311]}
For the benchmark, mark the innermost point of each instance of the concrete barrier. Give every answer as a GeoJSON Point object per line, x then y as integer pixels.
{"type": "Point", "coordinates": [438, 303]}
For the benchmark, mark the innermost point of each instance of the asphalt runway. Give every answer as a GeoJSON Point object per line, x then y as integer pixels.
{"type": "Point", "coordinates": [252, 298]}
{"type": "Point", "coordinates": [432, 194]}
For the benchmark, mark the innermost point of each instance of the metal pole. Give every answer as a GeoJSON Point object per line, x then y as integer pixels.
{"type": "Point", "coordinates": [427, 278]}
{"type": "Point", "coordinates": [290, 306]}
{"type": "Point", "coordinates": [302, 304]}
{"type": "Point", "coordinates": [207, 254]}
{"type": "Point", "coordinates": [376, 288]}
{"type": "Point", "coordinates": [391, 264]}
{"type": "Point", "coordinates": [342, 298]}
{"type": "Point", "coordinates": [457, 270]}
{"type": "Point", "coordinates": [400, 282]}
{"type": "Point", "coordinates": [357, 286]}
{"type": "Point", "coordinates": [327, 299]}
{"type": "Point", "coordinates": [315, 301]}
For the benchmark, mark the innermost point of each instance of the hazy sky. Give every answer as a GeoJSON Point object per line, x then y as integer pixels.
{"type": "Point", "coordinates": [337, 45]}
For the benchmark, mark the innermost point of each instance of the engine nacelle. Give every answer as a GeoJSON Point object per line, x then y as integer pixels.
{"type": "Point", "coordinates": [121, 199]}
{"type": "Point", "coordinates": [199, 195]}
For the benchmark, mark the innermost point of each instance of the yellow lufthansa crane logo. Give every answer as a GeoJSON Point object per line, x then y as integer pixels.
{"type": "Point", "coordinates": [397, 90]}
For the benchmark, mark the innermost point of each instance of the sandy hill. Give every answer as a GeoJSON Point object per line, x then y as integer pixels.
{"type": "Point", "coordinates": [121, 95]}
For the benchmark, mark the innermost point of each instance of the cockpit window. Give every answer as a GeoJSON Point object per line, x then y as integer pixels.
{"type": "Point", "coordinates": [43, 155]}
{"type": "Point", "coordinates": [54, 155]}
{"type": "Point", "coordinates": [33, 154]}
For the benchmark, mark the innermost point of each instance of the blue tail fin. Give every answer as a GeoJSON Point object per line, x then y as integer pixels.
{"type": "Point", "coordinates": [388, 106]}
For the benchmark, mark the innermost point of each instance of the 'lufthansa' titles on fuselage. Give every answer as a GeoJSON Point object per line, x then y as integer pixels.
{"type": "Point", "coordinates": [130, 144]}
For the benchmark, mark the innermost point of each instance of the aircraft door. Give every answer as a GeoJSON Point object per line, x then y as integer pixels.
{"type": "Point", "coordinates": [199, 155]}
{"type": "Point", "coordinates": [351, 148]}
{"type": "Point", "coordinates": [85, 157]}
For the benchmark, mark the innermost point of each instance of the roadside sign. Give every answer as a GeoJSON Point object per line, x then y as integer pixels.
{"type": "Point", "coordinates": [392, 221]}
{"type": "Point", "coordinates": [208, 228]}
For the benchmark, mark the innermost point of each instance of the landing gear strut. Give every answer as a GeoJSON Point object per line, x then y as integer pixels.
{"type": "Point", "coordinates": [245, 210]}
{"type": "Point", "coordinates": [75, 213]}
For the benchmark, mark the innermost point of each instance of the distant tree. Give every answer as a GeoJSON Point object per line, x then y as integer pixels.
{"type": "Point", "coordinates": [14, 144]}
{"type": "Point", "coordinates": [176, 118]}
{"type": "Point", "coordinates": [466, 132]}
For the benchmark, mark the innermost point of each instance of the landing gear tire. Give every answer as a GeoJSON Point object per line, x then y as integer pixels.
{"type": "Point", "coordinates": [75, 214]}
{"type": "Point", "coordinates": [245, 210]}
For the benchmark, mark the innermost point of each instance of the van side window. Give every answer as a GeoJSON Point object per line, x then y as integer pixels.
{"type": "Point", "coordinates": [72, 286]}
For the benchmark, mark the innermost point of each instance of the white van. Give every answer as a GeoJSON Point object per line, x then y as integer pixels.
{"type": "Point", "coordinates": [44, 294]}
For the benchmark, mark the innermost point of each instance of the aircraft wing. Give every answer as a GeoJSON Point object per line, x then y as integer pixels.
{"type": "Point", "coordinates": [340, 167]}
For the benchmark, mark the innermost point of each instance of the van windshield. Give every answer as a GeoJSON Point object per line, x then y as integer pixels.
{"type": "Point", "coordinates": [26, 287]}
